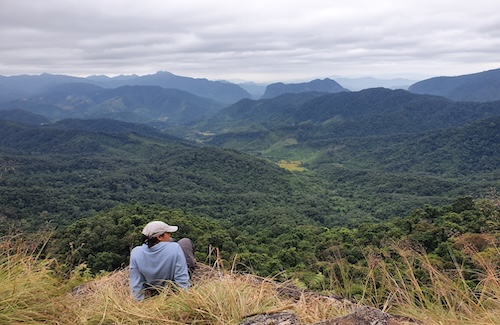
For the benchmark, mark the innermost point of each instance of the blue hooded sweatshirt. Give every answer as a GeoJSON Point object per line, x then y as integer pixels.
{"type": "Point", "coordinates": [156, 265]}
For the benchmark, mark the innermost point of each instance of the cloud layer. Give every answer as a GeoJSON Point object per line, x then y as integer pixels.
{"type": "Point", "coordinates": [253, 40]}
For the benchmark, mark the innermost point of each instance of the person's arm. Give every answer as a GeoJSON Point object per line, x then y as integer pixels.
{"type": "Point", "coordinates": [136, 279]}
{"type": "Point", "coordinates": [181, 275]}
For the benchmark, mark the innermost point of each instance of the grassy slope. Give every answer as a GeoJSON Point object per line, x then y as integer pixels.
{"type": "Point", "coordinates": [32, 293]}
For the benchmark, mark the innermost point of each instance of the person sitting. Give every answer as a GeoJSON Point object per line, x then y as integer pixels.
{"type": "Point", "coordinates": [159, 260]}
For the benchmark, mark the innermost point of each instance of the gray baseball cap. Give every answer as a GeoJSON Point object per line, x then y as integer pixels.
{"type": "Point", "coordinates": [158, 228]}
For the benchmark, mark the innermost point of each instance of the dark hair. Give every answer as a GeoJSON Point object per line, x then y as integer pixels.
{"type": "Point", "coordinates": [150, 241]}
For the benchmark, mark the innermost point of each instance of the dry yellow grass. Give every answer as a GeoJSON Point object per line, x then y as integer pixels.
{"type": "Point", "coordinates": [31, 293]}
{"type": "Point", "coordinates": [446, 298]}
{"type": "Point", "coordinates": [215, 298]}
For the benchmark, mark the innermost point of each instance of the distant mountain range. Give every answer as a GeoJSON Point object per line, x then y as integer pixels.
{"type": "Point", "coordinates": [16, 87]}
{"type": "Point", "coordinates": [164, 99]}
{"type": "Point", "coordinates": [221, 91]}
{"type": "Point", "coordinates": [477, 87]}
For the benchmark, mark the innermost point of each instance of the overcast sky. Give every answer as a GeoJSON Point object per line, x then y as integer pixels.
{"type": "Point", "coordinates": [254, 40]}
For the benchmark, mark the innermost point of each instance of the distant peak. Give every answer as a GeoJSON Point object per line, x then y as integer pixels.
{"type": "Point", "coordinates": [164, 73]}
{"type": "Point", "coordinates": [317, 85]}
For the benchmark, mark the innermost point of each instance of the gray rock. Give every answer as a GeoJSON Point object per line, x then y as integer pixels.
{"type": "Point", "coordinates": [283, 318]}
{"type": "Point", "coordinates": [360, 316]}
{"type": "Point", "coordinates": [365, 316]}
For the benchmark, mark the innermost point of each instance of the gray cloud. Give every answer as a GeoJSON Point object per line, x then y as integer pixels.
{"type": "Point", "coordinates": [259, 40]}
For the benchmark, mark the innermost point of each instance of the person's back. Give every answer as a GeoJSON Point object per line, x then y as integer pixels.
{"type": "Point", "coordinates": [157, 261]}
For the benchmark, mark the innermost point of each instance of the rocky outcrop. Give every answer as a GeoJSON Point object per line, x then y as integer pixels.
{"type": "Point", "coordinates": [360, 316]}
{"type": "Point", "coordinates": [283, 318]}
{"type": "Point", "coordinates": [368, 316]}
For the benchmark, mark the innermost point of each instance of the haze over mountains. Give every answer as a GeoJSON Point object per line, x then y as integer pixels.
{"type": "Point", "coordinates": [22, 86]}
{"type": "Point", "coordinates": [456, 88]}
{"type": "Point", "coordinates": [165, 98]}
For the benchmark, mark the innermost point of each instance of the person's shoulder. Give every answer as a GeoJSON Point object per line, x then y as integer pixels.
{"type": "Point", "coordinates": [137, 249]}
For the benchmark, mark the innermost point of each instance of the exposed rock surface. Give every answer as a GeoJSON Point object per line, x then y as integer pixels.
{"type": "Point", "coordinates": [360, 316]}
{"type": "Point", "coordinates": [283, 318]}
{"type": "Point", "coordinates": [367, 316]}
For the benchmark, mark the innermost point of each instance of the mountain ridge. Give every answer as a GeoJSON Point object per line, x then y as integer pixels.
{"type": "Point", "coordinates": [15, 87]}
{"type": "Point", "coordinates": [221, 91]}
{"type": "Point", "coordinates": [481, 86]}
{"type": "Point", "coordinates": [371, 111]}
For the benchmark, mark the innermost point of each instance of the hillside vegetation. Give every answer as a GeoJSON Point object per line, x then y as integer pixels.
{"type": "Point", "coordinates": [403, 267]}
{"type": "Point", "coordinates": [61, 175]}
{"type": "Point", "coordinates": [383, 151]}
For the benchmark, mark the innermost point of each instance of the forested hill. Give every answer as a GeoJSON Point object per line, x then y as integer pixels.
{"type": "Point", "coordinates": [61, 175]}
{"type": "Point", "coordinates": [77, 136]}
{"type": "Point", "coordinates": [22, 116]}
{"type": "Point", "coordinates": [141, 104]}
{"type": "Point", "coordinates": [115, 127]}
{"type": "Point", "coordinates": [367, 112]}
{"type": "Point", "coordinates": [264, 111]}
{"type": "Point", "coordinates": [472, 149]}
{"type": "Point", "coordinates": [478, 87]}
